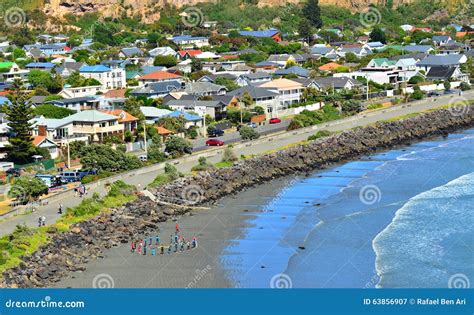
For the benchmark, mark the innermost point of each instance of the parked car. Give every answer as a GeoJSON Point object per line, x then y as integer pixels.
{"type": "Point", "coordinates": [143, 158]}
{"type": "Point", "coordinates": [250, 124]}
{"type": "Point", "coordinates": [214, 142]}
{"type": "Point", "coordinates": [434, 93]}
{"type": "Point", "coordinates": [216, 133]}
{"type": "Point", "coordinates": [275, 120]}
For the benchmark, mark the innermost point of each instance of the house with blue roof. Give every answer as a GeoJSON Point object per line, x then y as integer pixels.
{"type": "Point", "coordinates": [130, 52]}
{"type": "Point", "coordinates": [109, 77]}
{"type": "Point", "coordinates": [48, 66]}
{"type": "Point", "coordinates": [270, 33]}
{"type": "Point", "coordinates": [191, 120]}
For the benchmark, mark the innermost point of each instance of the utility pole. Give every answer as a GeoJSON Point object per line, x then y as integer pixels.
{"type": "Point", "coordinates": [68, 155]}
{"type": "Point", "coordinates": [144, 136]}
{"type": "Point", "coordinates": [367, 89]}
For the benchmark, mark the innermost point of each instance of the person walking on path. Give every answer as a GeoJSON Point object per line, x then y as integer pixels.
{"type": "Point", "coordinates": [60, 208]}
{"type": "Point", "coordinates": [195, 243]}
{"type": "Point", "coordinates": [162, 250]}
{"type": "Point", "coordinates": [157, 239]}
{"type": "Point", "coordinates": [40, 221]}
{"type": "Point", "coordinates": [153, 251]}
{"type": "Point", "coordinates": [177, 227]}
{"type": "Point", "coordinates": [132, 247]}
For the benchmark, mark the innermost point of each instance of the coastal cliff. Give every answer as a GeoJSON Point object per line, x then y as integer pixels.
{"type": "Point", "coordinates": [71, 251]}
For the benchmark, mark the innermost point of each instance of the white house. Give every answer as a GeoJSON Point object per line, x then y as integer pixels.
{"type": "Point", "coordinates": [82, 91]}
{"type": "Point", "coordinates": [110, 78]}
{"type": "Point", "coordinates": [289, 91]}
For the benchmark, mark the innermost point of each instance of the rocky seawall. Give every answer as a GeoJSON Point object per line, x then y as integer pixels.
{"type": "Point", "coordinates": [72, 250]}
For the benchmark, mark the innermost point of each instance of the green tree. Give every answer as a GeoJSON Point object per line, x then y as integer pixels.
{"type": "Point", "coordinates": [27, 188]}
{"type": "Point", "coordinates": [105, 158]}
{"type": "Point", "coordinates": [52, 111]}
{"type": "Point", "coordinates": [229, 155]}
{"type": "Point", "coordinates": [248, 133]}
{"type": "Point", "coordinates": [351, 107]}
{"type": "Point", "coordinates": [312, 13]}
{"type": "Point", "coordinates": [132, 106]}
{"type": "Point", "coordinates": [447, 85]}
{"type": "Point", "coordinates": [19, 113]}
{"type": "Point", "coordinates": [228, 83]}
{"type": "Point", "coordinates": [377, 35]}
{"type": "Point", "coordinates": [304, 30]}
{"type": "Point", "coordinates": [165, 61]}
{"type": "Point", "coordinates": [39, 78]}
{"type": "Point", "coordinates": [178, 146]}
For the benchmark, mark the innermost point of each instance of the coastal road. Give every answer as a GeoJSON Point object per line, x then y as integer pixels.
{"type": "Point", "coordinates": [277, 140]}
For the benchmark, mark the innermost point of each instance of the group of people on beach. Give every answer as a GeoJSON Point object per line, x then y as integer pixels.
{"type": "Point", "coordinates": [150, 245]}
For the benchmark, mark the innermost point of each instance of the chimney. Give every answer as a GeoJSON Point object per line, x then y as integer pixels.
{"type": "Point", "coordinates": [42, 130]}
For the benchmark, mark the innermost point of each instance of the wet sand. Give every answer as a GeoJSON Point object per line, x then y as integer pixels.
{"type": "Point", "coordinates": [202, 267]}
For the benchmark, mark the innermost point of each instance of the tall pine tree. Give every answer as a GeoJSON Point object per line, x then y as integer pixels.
{"type": "Point", "coordinates": [19, 113]}
{"type": "Point", "coordinates": [312, 13]}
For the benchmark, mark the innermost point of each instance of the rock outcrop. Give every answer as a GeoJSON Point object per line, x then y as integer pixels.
{"type": "Point", "coordinates": [71, 251]}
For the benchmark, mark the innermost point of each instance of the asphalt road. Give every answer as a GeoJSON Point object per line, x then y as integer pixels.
{"type": "Point", "coordinates": [233, 137]}
{"type": "Point", "coordinates": [280, 139]}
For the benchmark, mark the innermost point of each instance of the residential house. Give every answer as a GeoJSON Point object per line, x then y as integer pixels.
{"type": "Point", "coordinates": [376, 45]}
{"type": "Point", "coordinates": [266, 66]}
{"type": "Point", "coordinates": [446, 73]}
{"type": "Point", "coordinates": [269, 99]}
{"type": "Point", "coordinates": [110, 78]}
{"type": "Point", "coordinates": [426, 49]}
{"type": "Point", "coordinates": [187, 54]}
{"type": "Point", "coordinates": [60, 131]}
{"type": "Point", "coordinates": [204, 89]}
{"type": "Point", "coordinates": [188, 41]}
{"type": "Point", "coordinates": [130, 52]}
{"type": "Point", "coordinates": [162, 51]}
{"type": "Point", "coordinates": [11, 71]}
{"type": "Point", "coordinates": [47, 66]}
{"type": "Point", "coordinates": [153, 114]}
{"type": "Point", "coordinates": [157, 89]}
{"type": "Point", "coordinates": [441, 40]}
{"type": "Point", "coordinates": [191, 120]}
{"type": "Point", "coordinates": [213, 77]}
{"type": "Point", "coordinates": [329, 67]}
{"type": "Point", "coordinates": [45, 143]}
{"type": "Point", "coordinates": [159, 76]}
{"type": "Point", "coordinates": [289, 90]}
{"type": "Point", "coordinates": [216, 109]}
{"type": "Point", "coordinates": [330, 83]}
{"type": "Point", "coordinates": [377, 75]}
{"type": "Point", "coordinates": [282, 60]}
{"type": "Point", "coordinates": [68, 68]}
{"type": "Point", "coordinates": [359, 52]}
{"type": "Point", "coordinates": [49, 49]}
{"type": "Point", "coordinates": [406, 27]}
{"type": "Point", "coordinates": [77, 104]}
{"type": "Point", "coordinates": [383, 63]}
{"type": "Point", "coordinates": [321, 50]}
{"type": "Point", "coordinates": [253, 78]}
{"type": "Point", "coordinates": [82, 91]}
{"type": "Point", "coordinates": [113, 99]}
{"type": "Point", "coordinates": [270, 33]}
{"type": "Point", "coordinates": [96, 125]}
{"type": "Point", "coordinates": [128, 121]}
{"type": "Point", "coordinates": [441, 60]}
{"type": "Point", "coordinates": [295, 71]}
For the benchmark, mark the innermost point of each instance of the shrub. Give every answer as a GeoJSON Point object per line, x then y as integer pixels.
{"type": "Point", "coordinates": [172, 171]}
{"type": "Point", "coordinates": [229, 155]}
{"type": "Point", "coordinates": [248, 133]}
{"type": "Point", "coordinates": [465, 86]}
{"type": "Point", "coordinates": [178, 146]}
{"type": "Point", "coordinates": [320, 134]}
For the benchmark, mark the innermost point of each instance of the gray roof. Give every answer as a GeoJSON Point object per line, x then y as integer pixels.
{"type": "Point", "coordinates": [256, 75]}
{"type": "Point", "coordinates": [158, 88]}
{"type": "Point", "coordinates": [213, 77]}
{"type": "Point", "coordinates": [416, 56]}
{"type": "Point", "coordinates": [194, 103]}
{"type": "Point", "coordinates": [91, 116]}
{"type": "Point", "coordinates": [301, 72]}
{"type": "Point", "coordinates": [440, 73]}
{"type": "Point", "coordinates": [150, 111]}
{"type": "Point", "coordinates": [328, 82]}
{"type": "Point", "coordinates": [444, 60]}
{"type": "Point", "coordinates": [131, 51]}
{"type": "Point", "coordinates": [417, 48]}
{"type": "Point", "coordinates": [73, 100]}
{"type": "Point", "coordinates": [321, 50]}
{"type": "Point", "coordinates": [255, 92]}
{"type": "Point", "coordinates": [203, 87]}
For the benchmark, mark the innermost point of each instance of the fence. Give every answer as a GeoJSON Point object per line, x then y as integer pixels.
{"type": "Point", "coordinates": [45, 164]}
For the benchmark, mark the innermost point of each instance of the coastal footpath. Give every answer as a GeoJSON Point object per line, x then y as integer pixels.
{"type": "Point", "coordinates": [71, 251]}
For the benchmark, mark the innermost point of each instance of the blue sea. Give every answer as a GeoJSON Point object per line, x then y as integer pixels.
{"type": "Point", "coordinates": [400, 218]}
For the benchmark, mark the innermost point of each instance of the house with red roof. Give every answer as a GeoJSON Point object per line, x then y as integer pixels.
{"type": "Point", "coordinates": [159, 76]}
{"type": "Point", "coordinates": [188, 54]}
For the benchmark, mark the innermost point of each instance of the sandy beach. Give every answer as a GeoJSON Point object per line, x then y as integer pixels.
{"type": "Point", "coordinates": [199, 268]}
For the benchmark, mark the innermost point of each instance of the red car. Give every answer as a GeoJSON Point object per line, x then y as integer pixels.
{"type": "Point", "coordinates": [214, 142]}
{"type": "Point", "coordinates": [275, 120]}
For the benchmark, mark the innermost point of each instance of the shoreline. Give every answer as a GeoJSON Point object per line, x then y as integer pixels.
{"type": "Point", "coordinates": [212, 186]}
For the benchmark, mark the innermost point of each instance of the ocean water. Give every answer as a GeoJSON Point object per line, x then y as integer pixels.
{"type": "Point", "coordinates": [400, 218]}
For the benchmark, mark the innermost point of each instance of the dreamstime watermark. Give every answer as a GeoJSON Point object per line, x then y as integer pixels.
{"type": "Point", "coordinates": [192, 17]}
{"type": "Point", "coordinates": [459, 281]}
{"type": "Point", "coordinates": [189, 195]}
{"type": "Point", "coordinates": [370, 18]}
{"type": "Point", "coordinates": [372, 283]}
{"type": "Point", "coordinates": [47, 302]}
{"type": "Point", "coordinates": [370, 194]}
{"type": "Point", "coordinates": [458, 106]}
{"type": "Point", "coordinates": [14, 17]}
{"type": "Point", "coordinates": [200, 274]}
{"type": "Point", "coordinates": [281, 281]}
{"type": "Point", "coordinates": [103, 281]}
